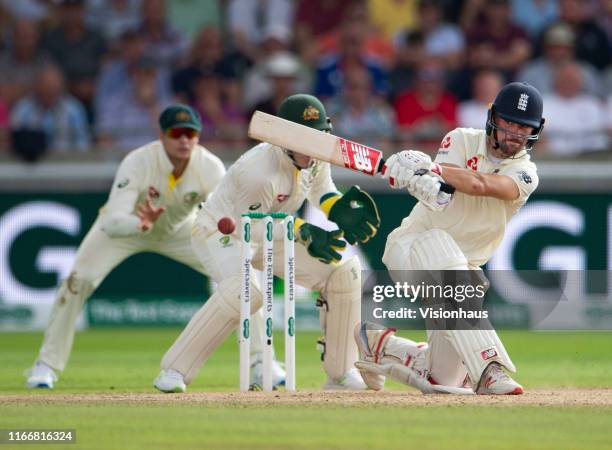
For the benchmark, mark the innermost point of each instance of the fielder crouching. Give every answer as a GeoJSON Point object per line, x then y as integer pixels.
{"type": "Point", "coordinates": [269, 179]}
{"type": "Point", "coordinates": [493, 176]}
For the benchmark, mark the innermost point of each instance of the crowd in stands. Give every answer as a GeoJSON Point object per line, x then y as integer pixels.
{"type": "Point", "coordinates": [93, 75]}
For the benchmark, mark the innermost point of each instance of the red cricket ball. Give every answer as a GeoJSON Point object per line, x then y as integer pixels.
{"type": "Point", "coordinates": [226, 225]}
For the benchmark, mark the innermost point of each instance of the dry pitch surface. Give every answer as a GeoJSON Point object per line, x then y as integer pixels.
{"type": "Point", "coordinates": [535, 397]}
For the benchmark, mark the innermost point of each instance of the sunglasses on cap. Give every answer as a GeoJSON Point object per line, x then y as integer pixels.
{"type": "Point", "coordinates": [177, 133]}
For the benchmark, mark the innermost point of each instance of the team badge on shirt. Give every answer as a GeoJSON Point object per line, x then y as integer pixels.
{"type": "Point", "coordinates": [191, 198]}
{"type": "Point", "coordinates": [525, 177]}
{"type": "Point", "coordinates": [446, 142]}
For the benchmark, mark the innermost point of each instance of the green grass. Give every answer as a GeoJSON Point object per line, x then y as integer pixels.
{"type": "Point", "coordinates": [127, 360]}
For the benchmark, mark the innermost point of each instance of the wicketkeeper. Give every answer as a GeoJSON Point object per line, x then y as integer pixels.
{"type": "Point", "coordinates": [151, 208]}
{"type": "Point", "coordinates": [269, 179]}
{"type": "Point", "coordinates": [493, 176]}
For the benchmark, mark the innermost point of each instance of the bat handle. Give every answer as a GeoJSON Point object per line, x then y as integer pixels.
{"type": "Point", "coordinates": [444, 187]}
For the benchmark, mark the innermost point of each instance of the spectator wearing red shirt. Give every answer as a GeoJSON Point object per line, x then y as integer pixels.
{"type": "Point", "coordinates": [429, 110]}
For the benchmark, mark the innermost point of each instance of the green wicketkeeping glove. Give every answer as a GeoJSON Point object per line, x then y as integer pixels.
{"type": "Point", "coordinates": [321, 244]}
{"type": "Point", "coordinates": [355, 213]}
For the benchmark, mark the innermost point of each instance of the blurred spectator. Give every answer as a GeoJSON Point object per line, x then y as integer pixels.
{"type": "Point", "coordinates": [410, 52]}
{"type": "Point", "coordinates": [592, 43]}
{"type": "Point", "coordinates": [272, 80]}
{"type": "Point", "coordinates": [495, 41]}
{"type": "Point", "coordinates": [375, 44]}
{"type": "Point", "coordinates": [30, 10]}
{"type": "Point", "coordinates": [206, 55]}
{"type": "Point", "coordinates": [21, 61]}
{"type": "Point", "coordinates": [113, 17]}
{"type": "Point", "coordinates": [4, 123]}
{"type": "Point", "coordinates": [250, 20]}
{"type": "Point", "coordinates": [128, 118]}
{"type": "Point", "coordinates": [166, 45]}
{"type": "Point", "coordinates": [313, 19]}
{"type": "Point", "coordinates": [608, 115]}
{"type": "Point", "coordinates": [61, 117]}
{"type": "Point", "coordinates": [257, 82]}
{"type": "Point", "coordinates": [192, 15]}
{"type": "Point", "coordinates": [390, 17]}
{"type": "Point", "coordinates": [427, 111]}
{"type": "Point", "coordinates": [77, 49]}
{"type": "Point", "coordinates": [534, 15]}
{"type": "Point", "coordinates": [486, 85]}
{"type": "Point", "coordinates": [607, 80]}
{"type": "Point", "coordinates": [351, 53]}
{"type": "Point", "coordinates": [359, 116]}
{"type": "Point", "coordinates": [559, 48]}
{"type": "Point", "coordinates": [117, 75]}
{"type": "Point", "coordinates": [604, 18]}
{"type": "Point", "coordinates": [574, 120]}
{"type": "Point", "coordinates": [442, 40]}
{"type": "Point", "coordinates": [222, 119]}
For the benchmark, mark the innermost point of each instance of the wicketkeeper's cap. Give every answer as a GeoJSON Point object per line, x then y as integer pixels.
{"type": "Point", "coordinates": [179, 116]}
{"type": "Point", "coordinates": [305, 110]}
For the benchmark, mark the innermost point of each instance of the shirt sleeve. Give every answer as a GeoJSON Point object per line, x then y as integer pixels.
{"type": "Point", "coordinates": [215, 171]}
{"type": "Point", "coordinates": [322, 184]}
{"type": "Point", "coordinates": [526, 178]}
{"type": "Point", "coordinates": [452, 150]}
{"type": "Point", "coordinates": [118, 218]}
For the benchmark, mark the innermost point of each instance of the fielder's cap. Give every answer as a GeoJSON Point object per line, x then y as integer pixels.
{"type": "Point", "coordinates": [180, 116]}
{"type": "Point", "coordinates": [306, 110]}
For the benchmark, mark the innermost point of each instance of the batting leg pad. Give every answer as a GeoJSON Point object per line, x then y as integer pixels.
{"type": "Point", "coordinates": [208, 328]}
{"type": "Point", "coordinates": [429, 250]}
{"type": "Point", "coordinates": [340, 313]}
{"type": "Point", "coordinates": [477, 349]}
{"type": "Point", "coordinates": [59, 336]}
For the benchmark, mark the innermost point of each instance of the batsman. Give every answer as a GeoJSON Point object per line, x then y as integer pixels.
{"type": "Point", "coordinates": [493, 176]}
{"type": "Point", "coordinates": [270, 179]}
{"type": "Point", "coordinates": [151, 208]}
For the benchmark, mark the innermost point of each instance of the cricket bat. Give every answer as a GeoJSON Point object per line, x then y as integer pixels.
{"type": "Point", "coordinates": [316, 144]}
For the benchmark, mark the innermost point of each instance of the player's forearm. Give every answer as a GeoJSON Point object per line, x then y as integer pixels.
{"type": "Point", "coordinates": [478, 184]}
{"type": "Point", "coordinates": [120, 225]}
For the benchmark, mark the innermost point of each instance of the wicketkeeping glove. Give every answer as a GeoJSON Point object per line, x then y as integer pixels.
{"type": "Point", "coordinates": [356, 215]}
{"type": "Point", "coordinates": [321, 244]}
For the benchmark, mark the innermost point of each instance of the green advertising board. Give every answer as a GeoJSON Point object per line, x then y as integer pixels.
{"type": "Point", "coordinates": [40, 233]}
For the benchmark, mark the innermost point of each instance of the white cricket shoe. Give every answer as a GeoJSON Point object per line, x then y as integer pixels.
{"type": "Point", "coordinates": [41, 376]}
{"type": "Point", "coordinates": [170, 381]}
{"type": "Point", "coordinates": [495, 381]}
{"type": "Point", "coordinates": [278, 373]}
{"type": "Point", "coordinates": [351, 381]}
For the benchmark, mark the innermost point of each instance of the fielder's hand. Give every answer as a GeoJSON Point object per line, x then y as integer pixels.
{"type": "Point", "coordinates": [147, 212]}
{"type": "Point", "coordinates": [321, 244]}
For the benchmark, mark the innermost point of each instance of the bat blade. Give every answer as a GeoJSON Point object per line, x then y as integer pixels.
{"type": "Point", "coordinates": [316, 144]}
